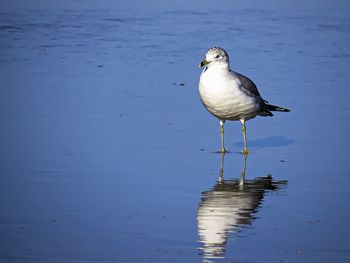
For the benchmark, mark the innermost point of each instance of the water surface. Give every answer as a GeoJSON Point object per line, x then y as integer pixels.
{"type": "Point", "coordinates": [107, 154]}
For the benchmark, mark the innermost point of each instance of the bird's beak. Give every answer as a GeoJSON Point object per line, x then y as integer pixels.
{"type": "Point", "coordinates": [203, 63]}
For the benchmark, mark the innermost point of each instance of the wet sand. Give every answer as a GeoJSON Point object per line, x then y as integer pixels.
{"type": "Point", "coordinates": [107, 153]}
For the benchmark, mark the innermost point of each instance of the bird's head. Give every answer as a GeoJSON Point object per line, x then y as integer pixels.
{"type": "Point", "coordinates": [215, 56]}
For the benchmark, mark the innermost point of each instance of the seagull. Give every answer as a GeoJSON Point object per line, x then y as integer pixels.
{"type": "Point", "coordinates": [229, 95]}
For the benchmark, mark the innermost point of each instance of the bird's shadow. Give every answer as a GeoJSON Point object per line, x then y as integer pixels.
{"type": "Point", "coordinates": [268, 142]}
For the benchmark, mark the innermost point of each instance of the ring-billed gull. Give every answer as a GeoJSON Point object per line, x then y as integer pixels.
{"type": "Point", "coordinates": [229, 95]}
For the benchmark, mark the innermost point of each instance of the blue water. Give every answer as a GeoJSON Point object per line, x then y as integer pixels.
{"type": "Point", "coordinates": [106, 152]}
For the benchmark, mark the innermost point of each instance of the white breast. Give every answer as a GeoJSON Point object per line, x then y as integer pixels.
{"type": "Point", "coordinates": [222, 96]}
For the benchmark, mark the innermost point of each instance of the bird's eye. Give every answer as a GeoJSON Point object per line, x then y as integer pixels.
{"type": "Point", "coordinates": [217, 56]}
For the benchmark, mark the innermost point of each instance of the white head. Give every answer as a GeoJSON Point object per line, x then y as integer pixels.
{"type": "Point", "coordinates": [216, 56]}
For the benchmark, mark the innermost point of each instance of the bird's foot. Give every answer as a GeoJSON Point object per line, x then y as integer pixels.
{"type": "Point", "coordinates": [245, 151]}
{"type": "Point", "coordinates": [222, 151]}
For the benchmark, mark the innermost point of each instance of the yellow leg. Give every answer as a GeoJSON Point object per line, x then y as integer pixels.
{"type": "Point", "coordinates": [222, 133]}
{"type": "Point", "coordinates": [245, 150]}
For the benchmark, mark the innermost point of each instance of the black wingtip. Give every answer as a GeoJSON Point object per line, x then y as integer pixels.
{"type": "Point", "coordinates": [282, 109]}
{"type": "Point", "coordinates": [277, 108]}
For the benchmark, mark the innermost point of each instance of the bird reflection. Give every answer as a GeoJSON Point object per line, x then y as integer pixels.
{"type": "Point", "coordinates": [228, 207]}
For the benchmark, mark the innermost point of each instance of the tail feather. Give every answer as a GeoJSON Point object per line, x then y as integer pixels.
{"type": "Point", "coordinates": [276, 108]}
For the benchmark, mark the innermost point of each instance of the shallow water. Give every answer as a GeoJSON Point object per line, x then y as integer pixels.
{"type": "Point", "coordinates": [107, 154]}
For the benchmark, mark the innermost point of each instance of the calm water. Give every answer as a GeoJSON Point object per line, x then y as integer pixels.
{"type": "Point", "coordinates": [106, 152]}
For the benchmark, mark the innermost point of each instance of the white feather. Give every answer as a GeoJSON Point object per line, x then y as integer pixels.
{"type": "Point", "coordinates": [221, 93]}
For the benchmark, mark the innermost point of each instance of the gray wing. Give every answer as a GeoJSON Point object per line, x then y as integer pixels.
{"type": "Point", "coordinates": [249, 87]}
